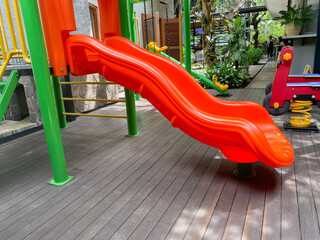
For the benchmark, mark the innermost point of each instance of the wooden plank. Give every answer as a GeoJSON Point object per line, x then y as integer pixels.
{"type": "Point", "coordinates": [71, 141]}
{"type": "Point", "coordinates": [272, 212]}
{"type": "Point", "coordinates": [235, 225]}
{"type": "Point", "coordinates": [154, 206]}
{"type": "Point", "coordinates": [126, 188]}
{"type": "Point", "coordinates": [182, 194]}
{"type": "Point", "coordinates": [153, 29]}
{"type": "Point", "coordinates": [253, 224]}
{"type": "Point", "coordinates": [290, 226]}
{"type": "Point", "coordinates": [314, 169]}
{"type": "Point", "coordinates": [143, 210]}
{"type": "Point", "coordinates": [115, 201]}
{"type": "Point", "coordinates": [307, 212]}
{"type": "Point", "coordinates": [311, 160]}
{"type": "Point", "coordinates": [67, 194]}
{"type": "Point", "coordinates": [190, 210]}
{"type": "Point", "coordinates": [109, 230]}
{"type": "Point", "coordinates": [87, 150]}
{"type": "Point", "coordinates": [204, 214]}
{"type": "Point", "coordinates": [70, 215]}
{"type": "Point", "coordinates": [221, 212]}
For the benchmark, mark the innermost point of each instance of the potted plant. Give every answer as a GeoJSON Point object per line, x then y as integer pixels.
{"type": "Point", "coordinates": [294, 18]}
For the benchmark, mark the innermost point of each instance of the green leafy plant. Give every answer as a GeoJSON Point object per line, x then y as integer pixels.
{"type": "Point", "coordinates": [237, 44]}
{"type": "Point", "coordinates": [269, 27]}
{"type": "Point", "coordinates": [298, 16]}
{"type": "Point", "coordinates": [255, 54]}
{"type": "Point", "coordinates": [228, 74]}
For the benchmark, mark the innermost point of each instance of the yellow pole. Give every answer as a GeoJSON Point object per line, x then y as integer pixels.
{"type": "Point", "coordinates": [92, 100]}
{"type": "Point", "coordinates": [86, 83]}
{"type": "Point", "coordinates": [3, 37]}
{"type": "Point", "coordinates": [17, 14]}
{"type": "Point", "coordinates": [137, 29]}
{"type": "Point", "coordinates": [10, 23]}
{"type": "Point", "coordinates": [93, 115]}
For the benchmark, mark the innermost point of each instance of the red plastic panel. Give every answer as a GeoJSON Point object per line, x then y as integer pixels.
{"type": "Point", "coordinates": [243, 131]}
{"type": "Point", "coordinates": [57, 20]}
{"type": "Point", "coordinates": [109, 18]}
{"type": "Point", "coordinates": [280, 91]}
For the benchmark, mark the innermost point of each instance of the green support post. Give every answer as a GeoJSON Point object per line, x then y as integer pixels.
{"type": "Point", "coordinates": [132, 31]}
{"type": "Point", "coordinates": [187, 32]}
{"type": "Point", "coordinates": [40, 67]}
{"type": "Point", "coordinates": [8, 90]}
{"type": "Point", "coordinates": [130, 101]}
{"type": "Point", "coordinates": [244, 170]}
{"type": "Point", "coordinates": [58, 102]}
{"type": "Point", "coordinates": [131, 22]}
{"type": "Point", "coordinates": [196, 75]}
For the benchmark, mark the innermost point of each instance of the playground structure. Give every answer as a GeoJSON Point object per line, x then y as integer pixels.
{"type": "Point", "coordinates": [286, 87]}
{"type": "Point", "coordinates": [214, 84]}
{"type": "Point", "coordinates": [152, 46]}
{"type": "Point", "coordinates": [243, 131]}
{"type": "Point", "coordinates": [7, 54]}
{"type": "Point", "coordinates": [185, 24]}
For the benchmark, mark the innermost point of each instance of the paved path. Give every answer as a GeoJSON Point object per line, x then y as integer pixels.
{"type": "Point", "coordinates": [264, 76]}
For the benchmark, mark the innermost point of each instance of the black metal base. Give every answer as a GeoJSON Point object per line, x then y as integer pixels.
{"type": "Point", "coordinates": [312, 128]}
{"type": "Point", "coordinates": [244, 171]}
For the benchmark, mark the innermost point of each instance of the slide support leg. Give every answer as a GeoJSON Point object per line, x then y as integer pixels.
{"type": "Point", "coordinates": [40, 66]}
{"type": "Point", "coordinates": [131, 113]}
{"type": "Point", "coordinates": [244, 170]}
{"type": "Point", "coordinates": [59, 103]}
{"type": "Point", "coordinates": [130, 101]}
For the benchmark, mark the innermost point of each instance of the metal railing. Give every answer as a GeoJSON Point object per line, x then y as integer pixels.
{"type": "Point", "coordinates": [6, 53]}
{"type": "Point", "coordinates": [92, 100]}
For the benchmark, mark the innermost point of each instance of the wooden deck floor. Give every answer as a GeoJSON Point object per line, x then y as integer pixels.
{"type": "Point", "coordinates": [160, 185]}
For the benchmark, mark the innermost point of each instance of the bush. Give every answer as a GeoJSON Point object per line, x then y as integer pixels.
{"type": "Point", "coordinates": [228, 74]}
{"type": "Point", "coordinates": [255, 54]}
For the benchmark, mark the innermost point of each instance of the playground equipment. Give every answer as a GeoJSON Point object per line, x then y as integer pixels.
{"type": "Point", "coordinates": [287, 87]}
{"type": "Point", "coordinates": [301, 107]}
{"type": "Point", "coordinates": [152, 46]}
{"type": "Point", "coordinates": [199, 77]}
{"type": "Point", "coordinates": [214, 83]}
{"type": "Point", "coordinates": [243, 131]}
{"type": "Point", "coordinates": [8, 87]}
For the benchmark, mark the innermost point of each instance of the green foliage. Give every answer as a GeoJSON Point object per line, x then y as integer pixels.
{"type": "Point", "coordinates": [232, 69]}
{"type": "Point", "coordinates": [254, 54]}
{"type": "Point", "coordinates": [269, 27]}
{"type": "Point", "coordinates": [298, 16]}
{"type": "Point", "coordinates": [237, 44]}
{"type": "Point", "coordinates": [228, 74]}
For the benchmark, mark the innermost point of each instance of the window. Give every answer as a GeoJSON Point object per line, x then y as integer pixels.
{"type": "Point", "coordinates": [94, 30]}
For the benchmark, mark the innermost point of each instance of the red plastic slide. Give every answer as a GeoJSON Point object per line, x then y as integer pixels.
{"type": "Point", "coordinates": [243, 131]}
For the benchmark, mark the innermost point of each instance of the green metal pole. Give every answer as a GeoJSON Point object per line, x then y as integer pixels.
{"type": "Point", "coordinates": [58, 102]}
{"type": "Point", "coordinates": [8, 90]}
{"type": "Point", "coordinates": [130, 101]}
{"type": "Point", "coordinates": [133, 31]}
{"type": "Point", "coordinates": [194, 74]}
{"type": "Point", "coordinates": [187, 32]}
{"type": "Point", "coordinates": [39, 59]}
{"type": "Point", "coordinates": [131, 22]}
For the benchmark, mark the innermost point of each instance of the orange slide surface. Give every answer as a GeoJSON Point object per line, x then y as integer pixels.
{"type": "Point", "coordinates": [243, 131]}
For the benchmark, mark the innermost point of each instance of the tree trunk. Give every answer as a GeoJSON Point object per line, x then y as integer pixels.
{"type": "Point", "coordinates": [207, 26]}
{"type": "Point", "coordinates": [256, 35]}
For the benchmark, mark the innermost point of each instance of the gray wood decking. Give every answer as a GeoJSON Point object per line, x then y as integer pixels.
{"type": "Point", "coordinates": [160, 185]}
